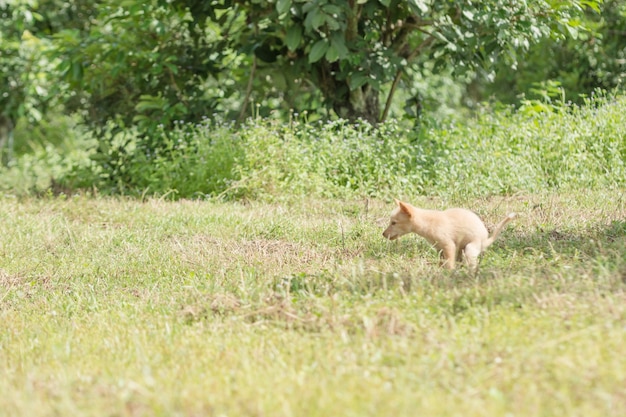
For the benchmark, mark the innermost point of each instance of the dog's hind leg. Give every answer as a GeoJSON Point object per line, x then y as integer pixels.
{"type": "Point", "coordinates": [472, 251]}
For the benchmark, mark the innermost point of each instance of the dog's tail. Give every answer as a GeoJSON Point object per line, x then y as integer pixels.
{"type": "Point", "coordinates": [487, 242]}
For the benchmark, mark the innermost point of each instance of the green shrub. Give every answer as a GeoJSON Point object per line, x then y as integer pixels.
{"type": "Point", "coordinates": [495, 152]}
{"type": "Point", "coordinates": [45, 154]}
{"type": "Point", "coordinates": [333, 159]}
{"type": "Point", "coordinates": [194, 161]}
{"type": "Point", "coordinates": [503, 152]}
{"type": "Point", "coordinates": [197, 160]}
{"type": "Point", "coordinates": [540, 147]}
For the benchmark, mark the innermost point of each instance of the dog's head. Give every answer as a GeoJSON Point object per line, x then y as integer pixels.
{"type": "Point", "coordinates": [400, 223]}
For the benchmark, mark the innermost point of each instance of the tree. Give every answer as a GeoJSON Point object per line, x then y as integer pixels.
{"type": "Point", "coordinates": [142, 63]}
{"type": "Point", "coordinates": [29, 83]}
{"type": "Point", "coordinates": [163, 60]}
{"type": "Point", "coordinates": [591, 58]}
{"type": "Point", "coordinates": [352, 50]}
{"type": "Point", "coordinates": [22, 93]}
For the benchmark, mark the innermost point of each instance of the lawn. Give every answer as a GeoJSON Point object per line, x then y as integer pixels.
{"type": "Point", "coordinates": [122, 307]}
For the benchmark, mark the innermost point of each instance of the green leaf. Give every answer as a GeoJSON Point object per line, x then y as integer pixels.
{"type": "Point", "coordinates": [332, 9]}
{"type": "Point", "coordinates": [283, 6]}
{"type": "Point", "coordinates": [332, 23]}
{"type": "Point", "coordinates": [148, 102]}
{"type": "Point", "coordinates": [358, 80]}
{"type": "Point", "coordinates": [318, 50]}
{"type": "Point", "coordinates": [332, 54]}
{"type": "Point", "coordinates": [318, 20]}
{"type": "Point", "coordinates": [593, 4]}
{"type": "Point", "coordinates": [293, 37]}
{"type": "Point", "coordinates": [573, 31]}
{"type": "Point", "coordinates": [338, 43]}
{"type": "Point", "coordinates": [468, 14]}
{"type": "Point", "coordinates": [419, 5]}
{"type": "Point", "coordinates": [172, 67]}
{"type": "Point", "coordinates": [77, 71]}
{"type": "Point", "coordinates": [314, 19]}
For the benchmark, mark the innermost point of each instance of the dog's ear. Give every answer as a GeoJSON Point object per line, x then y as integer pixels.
{"type": "Point", "coordinates": [404, 208]}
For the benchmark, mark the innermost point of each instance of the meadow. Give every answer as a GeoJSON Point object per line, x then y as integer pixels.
{"type": "Point", "coordinates": [241, 271]}
{"type": "Point", "coordinates": [121, 307]}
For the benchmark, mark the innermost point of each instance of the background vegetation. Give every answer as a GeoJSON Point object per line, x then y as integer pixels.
{"type": "Point", "coordinates": [538, 148]}
{"type": "Point", "coordinates": [152, 97]}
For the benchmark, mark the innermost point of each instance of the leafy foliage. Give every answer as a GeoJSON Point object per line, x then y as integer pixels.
{"type": "Point", "coordinates": [352, 50]}
{"type": "Point", "coordinates": [151, 63]}
{"type": "Point", "coordinates": [144, 63]}
{"type": "Point", "coordinates": [593, 57]}
{"type": "Point", "coordinates": [134, 70]}
{"type": "Point", "coordinates": [31, 91]}
{"type": "Point", "coordinates": [500, 152]}
{"type": "Point", "coordinates": [24, 68]}
{"type": "Point", "coordinates": [543, 146]}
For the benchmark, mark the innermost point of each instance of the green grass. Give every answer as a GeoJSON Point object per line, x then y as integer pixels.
{"type": "Point", "coordinates": [114, 307]}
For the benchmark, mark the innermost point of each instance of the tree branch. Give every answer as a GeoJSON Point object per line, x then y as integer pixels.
{"type": "Point", "coordinates": [179, 93]}
{"type": "Point", "coordinates": [396, 79]}
{"type": "Point", "coordinates": [353, 20]}
{"type": "Point", "coordinates": [246, 100]}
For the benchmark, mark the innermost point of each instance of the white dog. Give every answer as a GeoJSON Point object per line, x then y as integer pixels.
{"type": "Point", "coordinates": [453, 232]}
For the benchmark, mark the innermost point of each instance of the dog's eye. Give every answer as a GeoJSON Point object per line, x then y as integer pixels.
{"type": "Point", "coordinates": [393, 223]}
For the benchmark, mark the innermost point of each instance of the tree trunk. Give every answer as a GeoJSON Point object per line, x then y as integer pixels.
{"type": "Point", "coordinates": [362, 103]}
{"type": "Point", "coordinates": [6, 139]}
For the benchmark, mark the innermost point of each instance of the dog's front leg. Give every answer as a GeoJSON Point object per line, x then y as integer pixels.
{"type": "Point", "coordinates": [448, 255]}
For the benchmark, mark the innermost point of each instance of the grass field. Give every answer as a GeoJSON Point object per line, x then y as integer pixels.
{"type": "Point", "coordinates": [116, 307]}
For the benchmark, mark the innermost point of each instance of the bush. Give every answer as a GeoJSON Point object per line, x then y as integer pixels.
{"type": "Point", "coordinates": [193, 161]}
{"type": "Point", "coordinates": [534, 149]}
{"type": "Point", "coordinates": [44, 153]}
{"type": "Point", "coordinates": [332, 159]}
{"type": "Point", "coordinates": [496, 152]}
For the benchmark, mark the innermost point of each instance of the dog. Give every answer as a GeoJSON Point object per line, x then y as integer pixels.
{"type": "Point", "coordinates": [454, 232]}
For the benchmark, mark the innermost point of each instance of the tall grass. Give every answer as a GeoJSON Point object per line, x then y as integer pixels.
{"type": "Point", "coordinates": [496, 152]}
